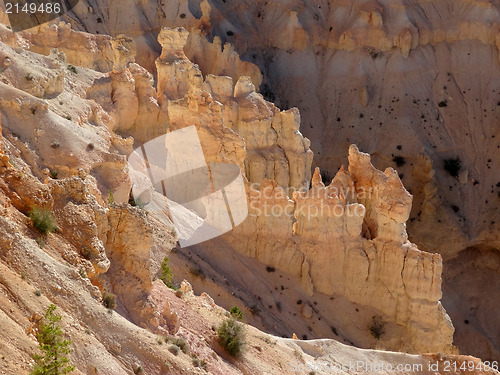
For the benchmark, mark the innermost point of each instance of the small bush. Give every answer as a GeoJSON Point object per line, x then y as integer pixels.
{"type": "Point", "coordinates": [199, 363]}
{"type": "Point", "coordinates": [53, 174]}
{"type": "Point", "coordinates": [231, 336]}
{"type": "Point", "coordinates": [377, 327]}
{"type": "Point", "coordinates": [197, 272]}
{"type": "Point", "coordinates": [86, 252]}
{"type": "Point", "coordinates": [43, 220]}
{"type": "Point", "coordinates": [443, 104]}
{"type": "Point", "coordinates": [174, 349]}
{"type": "Point", "coordinates": [111, 198]}
{"type": "Point", "coordinates": [181, 343]}
{"type": "Point", "coordinates": [28, 77]}
{"type": "Point", "coordinates": [72, 69]}
{"type": "Point", "coordinates": [236, 312]}
{"type": "Point", "coordinates": [166, 273]}
{"type": "Point", "coordinates": [40, 242]}
{"type": "Point", "coordinates": [270, 269]}
{"type": "Point", "coordinates": [38, 293]}
{"type": "Point", "coordinates": [452, 166]}
{"type": "Point", "coordinates": [399, 160]}
{"type": "Point", "coordinates": [108, 300]}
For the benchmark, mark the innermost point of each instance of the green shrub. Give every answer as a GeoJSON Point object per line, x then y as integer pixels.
{"type": "Point", "coordinates": [166, 273]}
{"type": "Point", "coordinates": [53, 174]}
{"type": "Point", "coordinates": [236, 312]}
{"type": "Point", "coordinates": [199, 363]}
{"type": "Point", "coordinates": [181, 343]}
{"type": "Point", "coordinates": [43, 220]}
{"type": "Point", "coordinates": [86, 252]}
{"type": "Point", "coordinates": [231, 336]}
{"type": "Point", "coordinates": [174, 349]}
{"type": "Point", "coordinates": [40, 242]}
{"type": "Point", "coordinates": [111, 198]}
{"type": "Point", "coordinates": [53, 361]}
{"type": "Point", "coordinates": [108, 300]}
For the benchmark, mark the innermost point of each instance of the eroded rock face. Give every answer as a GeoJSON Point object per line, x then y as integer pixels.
{"type": "Point", "coordinates": [349, 239]}
{"type": "Point", "coordinates": [361, 253]}
{"type": "Point", "coordinates": [226, 115]}
{"type": "Point", "coordinates": [306, 55]}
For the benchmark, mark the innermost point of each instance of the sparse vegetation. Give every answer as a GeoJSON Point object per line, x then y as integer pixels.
{"type": "Point", "coordinates": [270, 269]}
{"type": "Point", "coordinates": [72, 69]}
{"type": "Point", "coordinates": [197, 272]}
{"type": "Point", "coordinates": [86, 252]}
{"type": "Point", "coordinates": [174, 349]}
{"type": "Point", "coordinates": [254, 309]}
{"type": "Point", "coordinates": [43, 220]}
{"type": "Point", "coordinates": [53, 174]}
{"type": "Point", "coordinates": [199, 363]}
{"type": "Point", "coordinates": [399, 160]}
{"type": "Point", "coordinates": [53, 361]}
{"type": "Point", "coordinates": [452, 166]}
{"type": "Point", "coordinates": [377, 327]}
{"type": "Point", "coordinates": [231, 336]}
{"type": "Point", "coordinates": [40, 241]}
{"type": "Point", "coordinates": [38, 293]}
{"type": "Point", "coordinates": [135, 202]}
{"type": "Point", "coordinates": [108, 300]}
{"type": "Point", "coordinates": [166, 273]}
{"type": "Point", "coordinates": [181, 343]}
{"type": "Point", "coordinates": [111, 198]}
{"type": "Point", "coordinates": [236, 313]}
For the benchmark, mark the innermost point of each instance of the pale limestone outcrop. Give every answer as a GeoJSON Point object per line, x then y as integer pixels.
{"type": "Point", "coordinates": [129, 275]}
{"type": "Point", "coordinates": [225, 116]}
{"type": "Point", "coordinates": [398, 47]}
{"type": "Point", "coordinates": [80, 49]}
{"type": "Point", "coordinates": [124, 52]}
{"type": "Point", "coordinates": [217, 59]}
{"type": "Point", "coordinates": [349, 239]}
{"type": "Point", "coordinates": [81, 220]}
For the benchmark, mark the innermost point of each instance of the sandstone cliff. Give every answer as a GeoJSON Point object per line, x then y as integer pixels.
{"type": "Point", "coordinates": [111, 100]}
{"type": "Point", "coordinates": [412, 83]}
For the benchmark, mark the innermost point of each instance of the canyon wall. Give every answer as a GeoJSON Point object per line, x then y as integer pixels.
{"type": "Point", "coordinates": [365, 258]}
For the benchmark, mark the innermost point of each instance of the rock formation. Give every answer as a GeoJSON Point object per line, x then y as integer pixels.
{"type": "Point", "coordinates": [395, 79]}
{"type": "Point", "coordinates": [74, 113]}
{"type": "Point", "coordinates": [349, 238]}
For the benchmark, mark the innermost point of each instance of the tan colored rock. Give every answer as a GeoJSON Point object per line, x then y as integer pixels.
{"type": "Point", "coordinates": [82, 221]}
{"type": "Point", "coordinates": [123, 52]}
{"type": "Point", "coordinates": [349, 238]}
{"type": "Point", "coordinates": [307, 312]}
